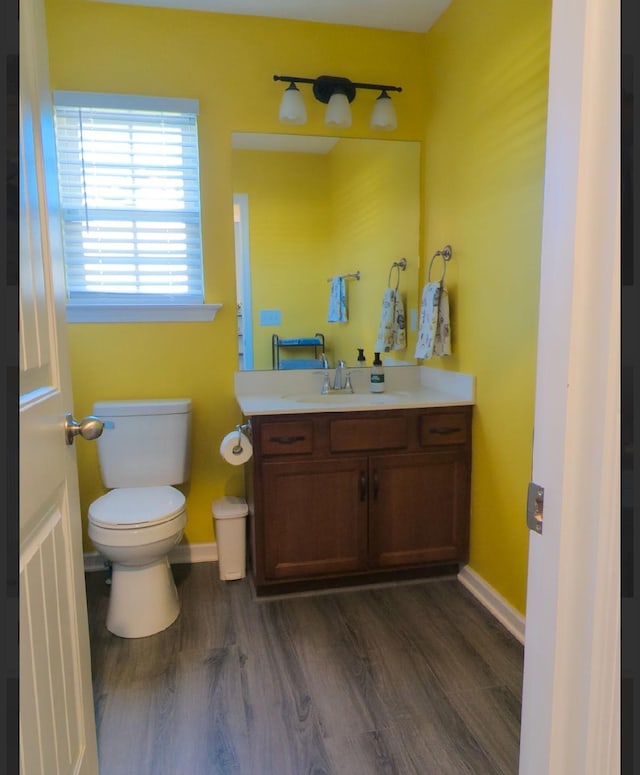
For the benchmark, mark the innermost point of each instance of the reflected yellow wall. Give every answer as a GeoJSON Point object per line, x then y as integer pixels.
{"type": "Point", "coordinates": [290, 244]}
{"type": "Point", "coordinates": [226, 62]}
{"type": "Point", "coordinates": [376, 221]}
{"type": "Point", "coordinates": [484, 146]}
{"type": "Point", "coordinates": [314, 216]}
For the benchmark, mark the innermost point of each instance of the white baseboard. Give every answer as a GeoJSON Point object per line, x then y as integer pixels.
{"type": "Point", "coordinates": [93, 561]}
{"type": "Point", "coordinates": [497, 606]}
{"type": "Point", "coordinates": [182, 553]}
{"type": "Point", "coordinates": [504, 612]}
{"type": "Point", "coordinates": [185, 553]}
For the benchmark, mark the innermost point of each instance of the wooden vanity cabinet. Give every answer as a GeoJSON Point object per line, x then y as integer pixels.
{"type": "Point", "coordinates": [315, 517]}
{"type": "Point", "coordinates": [358, 496]}
{"type": "Point", "coordinates": [418, 508]}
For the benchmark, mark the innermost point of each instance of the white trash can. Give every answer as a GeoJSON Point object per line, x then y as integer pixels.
{"type": "Point", "coordinates": [230, 515]}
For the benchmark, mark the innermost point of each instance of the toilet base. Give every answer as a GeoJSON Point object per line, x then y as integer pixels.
{"type": "Point", "coordinates": [143, 601]}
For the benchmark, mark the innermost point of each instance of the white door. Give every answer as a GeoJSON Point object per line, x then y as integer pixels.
{"type": "Point", "coordinates": [57, 727]}
{"type": "Point", "coordinates": [571, 701]}
{"type": "Point", "coordinates": [243, 281]}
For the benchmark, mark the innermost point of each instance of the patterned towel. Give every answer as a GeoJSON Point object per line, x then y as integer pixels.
{"type": "Point", "coordinates": [337, 301]}
{"type": "Point", "coordinates": [434, 334]}
{"type": "Point", "coordinates": [392, 333]}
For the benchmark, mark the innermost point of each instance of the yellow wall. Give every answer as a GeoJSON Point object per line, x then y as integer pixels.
{"type": "Point", "coordinates": [487, 74]}
{"type": "Point", "coordinates": [227, 63]}
{"type": "Point", "coordinates": [474, 92]}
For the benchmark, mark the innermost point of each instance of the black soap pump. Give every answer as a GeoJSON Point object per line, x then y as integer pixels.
{"type": "Point", "coordinates": [377, 375]}
{"type": "Point", "coordinates": [361, 360]}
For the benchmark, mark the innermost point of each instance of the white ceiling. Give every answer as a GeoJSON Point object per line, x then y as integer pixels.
{"type": "Point", "coordinates": [406, 15]}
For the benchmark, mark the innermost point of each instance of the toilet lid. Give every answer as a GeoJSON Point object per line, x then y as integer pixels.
{"type": "Point", "coordinates": [129, 507]}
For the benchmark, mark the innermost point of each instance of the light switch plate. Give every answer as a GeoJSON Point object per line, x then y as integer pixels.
{"type": "Point", "coordinates": [270, 317]}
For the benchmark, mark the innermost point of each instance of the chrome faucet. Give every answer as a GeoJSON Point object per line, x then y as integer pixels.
{"type": "Point", "coordinates": [342, 378]}
{"type": "Point", "coordinates": [341, 381]}
{"type": "Point", "coordinates": [338, 380]}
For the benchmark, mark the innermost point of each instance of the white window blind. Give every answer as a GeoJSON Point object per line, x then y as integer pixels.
{"type": "Point", "coordinates": [130, 199]}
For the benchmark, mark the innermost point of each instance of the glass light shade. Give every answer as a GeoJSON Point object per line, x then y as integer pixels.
{"type": "Point", "coordinates": [292, 109]}
{"type": "Point", "coordinates": [338, 111]}
{"type": "Point", "coordinates": [384, 113]}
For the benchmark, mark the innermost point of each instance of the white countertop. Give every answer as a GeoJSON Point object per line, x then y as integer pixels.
{"type": "Point", "coordinates": [297, 392]}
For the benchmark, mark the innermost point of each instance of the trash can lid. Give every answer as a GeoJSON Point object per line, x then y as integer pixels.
{"type": "Point", "coordinates": [229, 506]}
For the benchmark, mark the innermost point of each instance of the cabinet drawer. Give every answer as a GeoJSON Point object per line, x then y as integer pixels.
{"type": "Point", "coordinates": [445, 428]}
{"type": "Point", "coordinates": [287, 438]}
{"type": "Point", "coordinates": [364, 434]}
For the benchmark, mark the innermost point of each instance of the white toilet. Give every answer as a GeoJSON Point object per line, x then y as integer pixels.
{"type": "Point", "coordinates": [143, 450]}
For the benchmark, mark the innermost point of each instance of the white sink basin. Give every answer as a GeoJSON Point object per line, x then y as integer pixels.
{"type": "Point", "coordinates": [355, 399]}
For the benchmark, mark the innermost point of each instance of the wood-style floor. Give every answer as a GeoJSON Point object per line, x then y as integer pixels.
{"type": "Point", "coordinates": [407, 678]}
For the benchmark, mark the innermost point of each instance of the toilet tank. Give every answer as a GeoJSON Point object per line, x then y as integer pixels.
{"type": "Point", "coordinates": [144, 442]}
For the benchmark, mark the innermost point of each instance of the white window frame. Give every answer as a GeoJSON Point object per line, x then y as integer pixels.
{"type": "Point", "coordinates": [136, 308]}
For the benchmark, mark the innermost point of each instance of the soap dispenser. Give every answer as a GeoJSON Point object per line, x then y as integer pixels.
{"type": "Point", "coordinates": [361, 360]}
{"type": "Point", "coordinates": [377, 375]}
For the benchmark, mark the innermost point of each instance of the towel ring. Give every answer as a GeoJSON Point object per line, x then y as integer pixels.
{"type": "Point", "coordinates": [402, 264]}
{"type": "Point", "coordinates": [445, 254]}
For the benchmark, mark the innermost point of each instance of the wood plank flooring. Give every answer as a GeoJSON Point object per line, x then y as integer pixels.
{"type": "Point", "coordinates": [407, 678]}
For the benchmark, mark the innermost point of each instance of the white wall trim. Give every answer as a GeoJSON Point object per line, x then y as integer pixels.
{"type": "Point", "coordinates": [571, 684]}
{"type": "Point", "coordinates": [141, 313]}
{"type": "Point", "coordinates": [497, 606]}
{"type": "Point", "coordinates": [183, 553]}
{"type": "Point", "coordinates": [93, 561]}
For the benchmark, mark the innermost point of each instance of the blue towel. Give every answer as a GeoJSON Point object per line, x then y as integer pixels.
{"type": "Point", "coordinates": [337, 301]}
{"type": "Point", "coordinates": [309, 341]}
{"type": "Point", "coordinates": [301, 363]}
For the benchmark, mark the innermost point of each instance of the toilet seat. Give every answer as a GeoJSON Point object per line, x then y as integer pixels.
{"type": "Point", "coordinates": [128, 508]}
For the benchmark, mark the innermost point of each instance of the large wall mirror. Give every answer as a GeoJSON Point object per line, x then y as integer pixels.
{"type": "Point", "coordinates": [307, 209]}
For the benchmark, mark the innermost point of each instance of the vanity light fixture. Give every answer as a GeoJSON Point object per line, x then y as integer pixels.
{"type": "Point", "coordinates": [384, 114]}
{"type": "Point", "coordinates": [292, 109]}
{"type": "Point", "coordinates": [337, 94]}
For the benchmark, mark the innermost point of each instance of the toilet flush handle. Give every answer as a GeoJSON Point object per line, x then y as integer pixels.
{"type": "Point", "coordinates": [89, 428]}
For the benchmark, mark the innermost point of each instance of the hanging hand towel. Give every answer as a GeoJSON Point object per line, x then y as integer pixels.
{"type": "Point", "coordinates": [392, 333]}
{"type": "Point", "coordinates": [337, 301]}
{"type": "Point", "coordinates": [434, 334]}
{"type": "Point", "coordinates": [442, 344]}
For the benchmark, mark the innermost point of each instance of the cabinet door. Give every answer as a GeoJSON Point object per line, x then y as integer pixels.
{"type": "Point", "coordinates": [315, 517]}
{"type": "Point", "coordinates": [419, 508]}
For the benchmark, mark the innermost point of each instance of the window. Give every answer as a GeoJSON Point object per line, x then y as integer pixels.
{"type": "Point", "coordinates": [130, 204]}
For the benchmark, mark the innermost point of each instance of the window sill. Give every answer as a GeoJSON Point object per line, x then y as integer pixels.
{"type": "Point", "coordinates": [143, 313]}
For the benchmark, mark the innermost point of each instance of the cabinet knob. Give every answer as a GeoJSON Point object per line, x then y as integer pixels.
{"type": "Point", "coordinates": [363, 486]}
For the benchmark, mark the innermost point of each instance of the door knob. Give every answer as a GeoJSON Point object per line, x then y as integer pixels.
{"type": "Point", "coordinates": [89, 428]}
